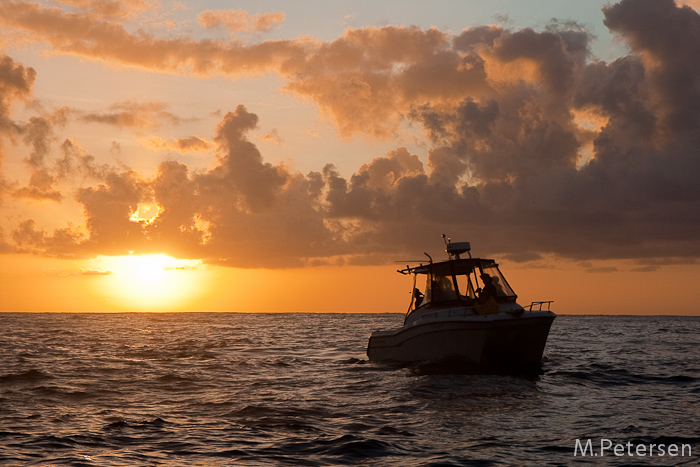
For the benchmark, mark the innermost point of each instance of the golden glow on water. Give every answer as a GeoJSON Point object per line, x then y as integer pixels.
{"type": "Point", "coordinates": [150, 282]}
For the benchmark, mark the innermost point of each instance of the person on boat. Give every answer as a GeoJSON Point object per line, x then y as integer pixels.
{"type": "Point", "coordinates": [417, 297]}
{"type": "Point", "coordinates": [497, 283]}
{"type": "Point", "coordinates": [442, 290]}
{"type": "Point", "coordinates": [489, 290]}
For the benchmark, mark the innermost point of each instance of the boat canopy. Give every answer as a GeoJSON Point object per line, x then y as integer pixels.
{"type": "Point", "coordinates": [459, 281]}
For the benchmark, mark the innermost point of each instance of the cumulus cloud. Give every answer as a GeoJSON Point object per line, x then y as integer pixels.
{"type": "Point", "coordinates": [109, 207]}
{"type": "Point", "coordinates": [254, 182]}
{"type": "Point", "coordinates": [367, 79]}
{"type": "Point", "coordinates": [514, 163]}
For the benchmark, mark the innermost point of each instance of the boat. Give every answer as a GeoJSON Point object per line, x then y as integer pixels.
{"type": "Point", "coordinates": [468, 314]}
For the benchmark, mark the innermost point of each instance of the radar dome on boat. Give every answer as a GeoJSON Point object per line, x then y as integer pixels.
{"type": "Point", "coordinates": [458, 248]}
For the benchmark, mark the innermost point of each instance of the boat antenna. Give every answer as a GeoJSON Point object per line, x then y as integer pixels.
{"type": "Point", "coordinates": [431, 259]}
{"type": "Point", "coordinates": [446, 239]}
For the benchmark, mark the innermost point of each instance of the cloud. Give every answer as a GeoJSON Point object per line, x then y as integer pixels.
{"type": "Point", "coordinates": [364, 80]}
{"type": "Point", "coordinates": [77, 164]}
{"type": "Point", "coordinates": [231, 213]}
{"type": "Point", "coordinates": [89, 36]}
{"type": "Point", "coordinates": [588, 267]}
{"type": "Point", "coordinates": [694, 4]}
{"type": "Point", "coordinates": [244, 211]}
{"type": "Point", "coordinates": [654, 30]}
{"type": "Point", "coordinates": [239, 20]}
{"type": "Point", "coordinates": [242, 174]}
{"type": "Point", "coordinates": [41, 187]}
{"type": "Point", "coordinates": [367, 79]}
{"type": "Point", "coordinates": [273, 137]}
{"type": "Point", "coordinates": [28, 236]}
{"type": "Point", "coordinates": [94, 272]}
{"type": "Point", "coordinates": [185, 145]}
{"type": "Point", "coordinates": [29, 239]}
{"type": "Point", "coordinates": [512, 164]}
{"type": "Point", "coordinates": [119, 9]}
{"type": "Point", "coordinates": [140, 115]}
{"type": "Point", "coordinates": [16, 82]}
{"type": "Point", "coordinates": [109, 207]}
{"type": "Point", "coordinates": [41, 132]}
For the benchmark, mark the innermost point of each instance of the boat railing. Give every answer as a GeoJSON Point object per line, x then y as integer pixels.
{"type": "Point", "coordinates": [472, 310]}
{"type": "Point", "coordinates": [539, 306]}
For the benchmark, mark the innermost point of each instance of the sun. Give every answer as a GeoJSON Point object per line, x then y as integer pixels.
{"type": "Point", "coordinates": [150, 282]}
{"type": "Point", "coordinates": [148, 269]}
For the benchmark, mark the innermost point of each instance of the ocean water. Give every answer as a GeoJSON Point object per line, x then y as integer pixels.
{"type": "Point", "coordinates": [208, 389]}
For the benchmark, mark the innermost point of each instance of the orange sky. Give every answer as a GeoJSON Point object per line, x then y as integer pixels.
{"type": "Point", "coordinates": [172, 155]}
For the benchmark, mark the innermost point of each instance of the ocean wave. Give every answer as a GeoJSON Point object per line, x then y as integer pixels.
{"type": "Point", "coordinates": [143, 424]}
{"type": "Point", "coordinates": [621, 377]}
{"type": "Point", "coordinates": [29, 376]}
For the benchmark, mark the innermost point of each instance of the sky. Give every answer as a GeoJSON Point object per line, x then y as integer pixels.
{"type": "Point", "coordinates": [284, 156]}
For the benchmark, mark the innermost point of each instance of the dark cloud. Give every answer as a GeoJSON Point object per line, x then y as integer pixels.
{"type": "Point", "coordinates": [242, 175]}
{"type": "Point", "coordinates": [667, 38]}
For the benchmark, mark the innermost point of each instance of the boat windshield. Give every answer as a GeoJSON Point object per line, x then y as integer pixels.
{"type": "Point", "coordinates": [502, 287]}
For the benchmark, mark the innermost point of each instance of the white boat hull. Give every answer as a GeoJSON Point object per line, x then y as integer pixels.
{"type": "Point", "coordinates": [499, 340]}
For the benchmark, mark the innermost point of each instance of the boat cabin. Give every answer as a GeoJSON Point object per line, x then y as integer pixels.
{"type": "Point", "coordinates": [459, 282]}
